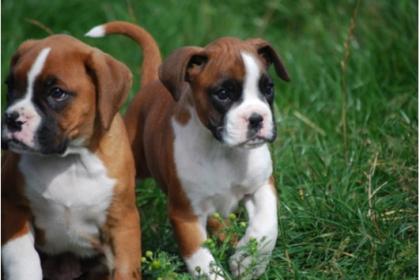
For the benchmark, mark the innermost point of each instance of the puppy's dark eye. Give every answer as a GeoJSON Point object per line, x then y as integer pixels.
{"type": "Point", "coordinates": [223, 94]}
{"type": "Point", "coordinates": [58, 95]}
{"type": "Point", "coordinates": [267, 88]}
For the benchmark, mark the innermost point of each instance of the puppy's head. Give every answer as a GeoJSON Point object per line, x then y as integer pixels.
{"type": "Point", "coordinates": [231, 90]}
{"type": "Point", "coordinates": [61, 93]}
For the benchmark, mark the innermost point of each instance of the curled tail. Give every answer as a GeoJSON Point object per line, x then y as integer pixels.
{"type": "Point", "coordinates": [152, 58]}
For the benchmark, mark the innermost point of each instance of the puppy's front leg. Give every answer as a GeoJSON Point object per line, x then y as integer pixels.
{"type": "Point", "coordinates": [20, 260]}
{"type": "Point", "coordinates": [124, 231]}
{"type": "Point", "coordinates": [262, 213]}
{"type": "Point", "coordinates": [190, 232]}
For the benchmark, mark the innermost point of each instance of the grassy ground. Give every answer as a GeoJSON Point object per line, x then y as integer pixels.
{"type": "Point", "coordinates": [346, 155]}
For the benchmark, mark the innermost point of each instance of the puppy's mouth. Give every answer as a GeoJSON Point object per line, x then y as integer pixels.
{"type": "Point", "coordinates": [9, 142]}
{"type": "Point", "coordinates": [254, 142]}
{"type": "Point", "coordinates": [16, 146]}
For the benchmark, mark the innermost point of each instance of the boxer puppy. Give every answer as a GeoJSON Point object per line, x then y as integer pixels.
{"type": "Point", "coordinates": [68, 177]}
{"type": "Point", "coordinates": [201, 127]}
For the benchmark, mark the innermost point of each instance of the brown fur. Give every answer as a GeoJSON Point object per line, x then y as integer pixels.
{"type": "Point", "coordinates": [93, 114]}
{"type": "Point", "coordinates": [15, 212]}
{"type": "Point", "coordinates": [184, 77]}
{"type": "Point", "coordinates": [152, 58]}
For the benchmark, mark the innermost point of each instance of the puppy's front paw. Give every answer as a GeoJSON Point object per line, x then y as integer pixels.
{"type": "Point", "coordinates": [250, 260]}
{"type": "Point", "coordinates": [246, 267]}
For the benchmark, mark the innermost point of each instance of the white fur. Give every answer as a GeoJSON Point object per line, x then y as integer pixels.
{"type": "Point", "coordinates": [262, 214]}
{"type": "Point", "coordinates": [96, 32]}
{"type": "Point", "coordinates": [216, 177]}
{"type": "Point", "coordinates": [20, 261]}
{"type": "Point", "coordinates": [69, 197]}
{"type": "Point", "coordinates": [203, 260]}
{"type": "Point", "coordinates": [237, 118]}
{"type": "Point", "coordinates": [28, 114]}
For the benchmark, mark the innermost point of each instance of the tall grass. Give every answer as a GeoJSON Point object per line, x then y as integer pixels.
{"type": "Point", "coordinates": [349, 215]}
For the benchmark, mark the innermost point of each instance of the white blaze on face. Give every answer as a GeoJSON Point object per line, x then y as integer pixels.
{"type": "Point", "coordinates": [25, 107]}
{"type": "Point", "coordinates": [237, 118]}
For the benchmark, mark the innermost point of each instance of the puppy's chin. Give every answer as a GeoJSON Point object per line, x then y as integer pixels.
{"type": "Point", "coordinates": [250, 142]}
{"type": "Point", "coordinates": [21, 148]}
{"type": "Point", "coordinates": [253, 143]}
{"type": "Point", "coordinates": [17, 147]}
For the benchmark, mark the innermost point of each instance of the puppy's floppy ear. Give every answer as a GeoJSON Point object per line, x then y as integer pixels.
{"type": "Point", "coordinates": [270, 56]}
{"type": "Point", "coordinates": [112, 81]}
{"type": "Point", "coordinates": [182, 66]}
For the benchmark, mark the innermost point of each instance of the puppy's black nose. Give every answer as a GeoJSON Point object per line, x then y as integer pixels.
{"type": "Point", "coordinates": [255, 121]}
{"type": "Point", "coordinates": [12, 123]}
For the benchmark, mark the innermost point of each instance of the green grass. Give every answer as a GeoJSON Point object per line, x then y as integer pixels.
{"type": "Point", "coordinates": [329, 226]}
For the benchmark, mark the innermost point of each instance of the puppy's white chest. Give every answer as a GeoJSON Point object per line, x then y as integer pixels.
{"type": "Point", "coordinates": [69, 197]}
{"type": "Point", "coordinates": [215, 177]}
